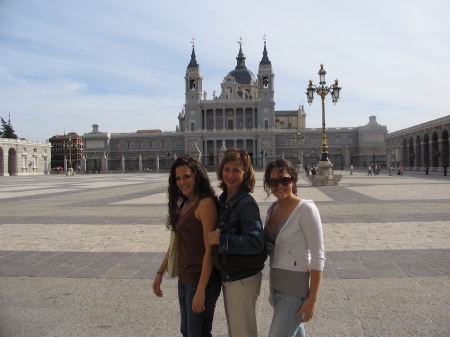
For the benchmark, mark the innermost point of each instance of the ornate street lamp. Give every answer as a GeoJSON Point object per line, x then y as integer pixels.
{"type": "Point", "coordinates": [300, 138]}
{"type": "Point", "coordinates": [322, 90]}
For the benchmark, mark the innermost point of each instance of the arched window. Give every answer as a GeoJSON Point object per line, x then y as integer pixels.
{"type": "Point", "coordinates": [426, 150]}
{"type": "Point", "coordinates": [412, 156]}
{"type": "Point", "coordinates": [435, 149]}
{"type": "Point", "coordinates": [445, 147]}
{"type": "Point", "coordinates": [418, 152]}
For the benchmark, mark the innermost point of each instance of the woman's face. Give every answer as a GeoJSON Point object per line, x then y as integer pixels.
{"type": "Point", "coordinates": [280, 191]}
{"type": "Point", "coordinates": [233, 175]}
{"type": "Point", "coordinates": [185, 179]}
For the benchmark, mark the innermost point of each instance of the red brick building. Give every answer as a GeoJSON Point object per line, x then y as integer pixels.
{"type": "Point", "coordinates": [70, 146]}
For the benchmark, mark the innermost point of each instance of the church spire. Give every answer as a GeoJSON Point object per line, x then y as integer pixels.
{"type": "Point", "coordinates": [193, 63]}
{"type": "Point", "coordinates": [265, 58]}
{"type": "Point", "coordinates": [240, 58]}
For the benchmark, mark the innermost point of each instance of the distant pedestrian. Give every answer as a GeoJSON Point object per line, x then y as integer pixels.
{"type": "Point", "coordinates": [426, 169]}
{"type": "Point", "coordinates": [445, 169]}
{"type": "Point", "coordinates": [369, 170]}
{"type": "Point", "coordinates": [351, 169]}
{"type": "Point", "coordinates": [400, 169]}
{"type": "Point", "coordinates": [391, 169]}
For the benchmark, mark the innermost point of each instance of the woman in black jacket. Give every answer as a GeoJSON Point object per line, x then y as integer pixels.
{"type": "Point", "coordinates": [239, 243]}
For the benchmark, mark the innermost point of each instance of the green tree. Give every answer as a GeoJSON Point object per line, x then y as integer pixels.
{"type": "Point", "coordinates": [7, 130]}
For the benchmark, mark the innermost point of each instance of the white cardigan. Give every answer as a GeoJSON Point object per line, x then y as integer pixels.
{"type": "Point", "coordinates": [299, 245]}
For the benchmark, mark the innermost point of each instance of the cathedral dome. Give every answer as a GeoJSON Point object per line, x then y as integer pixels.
{"type": "Point", "coordinates": [243, 76]}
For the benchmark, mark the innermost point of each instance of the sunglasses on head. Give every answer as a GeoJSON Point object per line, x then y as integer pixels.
{"type": "Point", "coordinates": [285, 181]}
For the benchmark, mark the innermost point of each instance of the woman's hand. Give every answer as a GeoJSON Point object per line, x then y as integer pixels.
{"type": "Point", "coordinates": [308, 308]}
{"type": "Point", "coordinates": [198, 302]}
{"type": "Point", "coordinates": [157, 285]}
{"type": "Point", "coordinates": [214, 237]}
{"type": "Point", "coordinates": [270, 301]}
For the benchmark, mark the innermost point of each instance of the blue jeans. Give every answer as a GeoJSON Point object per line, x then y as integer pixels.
{"type": "Point", "coordinates": [285, 322]}
{"type": "Point", "coordinates": [193, 324]}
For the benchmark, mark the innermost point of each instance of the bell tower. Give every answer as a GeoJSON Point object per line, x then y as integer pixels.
{"type": "Point", "coordinates": [265, 78]}
{"type": "Point", "coordinates": [193, 80]}
{"type": "Point", "coordinates": [266, 92]}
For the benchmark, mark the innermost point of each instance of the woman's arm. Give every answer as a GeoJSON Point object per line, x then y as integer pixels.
{"type": "Point", "coordinates": [159, 276]}
{"type": "Point", "coordinates": [207, 213]}
{"type": "Point", "coordinates": [312, 227]}
{"type": "Point", "coordinates": [309, 306]}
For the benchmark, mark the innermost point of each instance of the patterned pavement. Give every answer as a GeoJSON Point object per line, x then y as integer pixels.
{"type": "Point", "coordinates": [78, 256]}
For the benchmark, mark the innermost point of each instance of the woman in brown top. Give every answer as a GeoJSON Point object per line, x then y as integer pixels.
{"type": "Point", "coordinates": [192, 215]}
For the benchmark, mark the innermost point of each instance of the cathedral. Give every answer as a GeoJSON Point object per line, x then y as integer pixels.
{"type": "Point", "coordinates": [242, 115]}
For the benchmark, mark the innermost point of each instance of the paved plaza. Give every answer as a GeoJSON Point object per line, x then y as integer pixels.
{"type": "Point", "coordinates": [78, 256]}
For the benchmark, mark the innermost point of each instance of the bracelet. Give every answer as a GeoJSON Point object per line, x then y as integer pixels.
{"type": "Point", "coordinates": [158, 272]}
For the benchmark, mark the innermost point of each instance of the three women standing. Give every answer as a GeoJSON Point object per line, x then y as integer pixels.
{"type": "Point", "coordinates": [293, 230]}
{"type": "Point", "coordinates": [192, 215]}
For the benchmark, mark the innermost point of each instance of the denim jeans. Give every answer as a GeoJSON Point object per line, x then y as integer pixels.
{"type": "Point", "coordinates": [285, 322]}
{"type": "Point", "coordinates": [193, 324]}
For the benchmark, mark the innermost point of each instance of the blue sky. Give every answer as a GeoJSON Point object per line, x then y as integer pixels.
{"type": "Point", "coordinates": [65, 65]}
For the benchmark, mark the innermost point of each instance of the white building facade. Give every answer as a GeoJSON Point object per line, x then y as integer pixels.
{"type": "Point", "coordinates": [242, 115]}
{"type": "Point", "coordinates": [24, 157]}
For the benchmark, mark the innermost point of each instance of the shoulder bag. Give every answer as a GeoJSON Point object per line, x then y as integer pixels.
{"type": "Point", "coordinates": [171, 267]}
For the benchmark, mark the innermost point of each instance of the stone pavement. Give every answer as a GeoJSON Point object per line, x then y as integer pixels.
{"type": "Point", "coordinates": [78, 256]}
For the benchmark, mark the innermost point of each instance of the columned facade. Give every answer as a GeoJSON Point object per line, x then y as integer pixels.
{"type": "Point", "coordinates": [420, 145]}
{"type": "Point", "coordinates": [24, 157]}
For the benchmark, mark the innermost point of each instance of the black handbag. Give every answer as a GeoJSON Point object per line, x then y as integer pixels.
{"type": "Point", "coordinates": [236, 262]}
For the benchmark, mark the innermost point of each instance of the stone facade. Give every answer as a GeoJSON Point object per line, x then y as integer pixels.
{"type": "Point", "coordinates": [242, 115]}
{"type": "Point", "coordinates": [426, 143]}
{"type": "Point", "coordinates": [24, 157]}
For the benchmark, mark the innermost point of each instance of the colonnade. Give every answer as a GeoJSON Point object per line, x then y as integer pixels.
{"type": "Point", "coordinates": [414, 152]}
{"type": "Point", "coordinates": [219, 121]}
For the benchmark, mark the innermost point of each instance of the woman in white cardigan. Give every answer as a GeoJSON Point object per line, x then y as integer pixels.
{"type": "Point", "coordinates": [293, 232]}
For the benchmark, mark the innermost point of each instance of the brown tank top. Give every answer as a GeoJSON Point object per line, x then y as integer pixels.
{"type": "Point", "coordinates": [191, 246]}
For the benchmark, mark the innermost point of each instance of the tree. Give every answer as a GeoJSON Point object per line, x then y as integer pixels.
{"type": "Point", "coordinates": [8, 131]}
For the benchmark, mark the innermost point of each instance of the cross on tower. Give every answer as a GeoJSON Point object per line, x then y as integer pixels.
{"type": "Point", "coordinates": [193, 41]}
{"type": "Point", "coordinates": [240, 41]}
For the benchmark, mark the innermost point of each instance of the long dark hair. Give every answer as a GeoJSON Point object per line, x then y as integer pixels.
{"type": "Point", "coordinates": [176, 199]}
{"type": "Point", "coordinates": [282, 165]}
{"type": "Point", "coordinates": [243, 159]}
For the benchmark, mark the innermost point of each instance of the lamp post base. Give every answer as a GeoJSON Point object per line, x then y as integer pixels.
{"type": "Point", "coordinates": [325, 175]}
{"type": "Point", "coordinates": [325, 169]}
{"type": "Point", "coordinates": [300, 168]}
